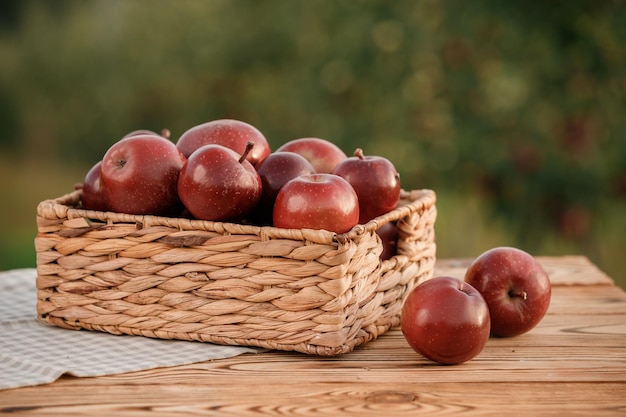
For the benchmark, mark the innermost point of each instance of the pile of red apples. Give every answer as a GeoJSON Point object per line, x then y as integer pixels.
{"type": "Point", "coordinates": [225, 170]}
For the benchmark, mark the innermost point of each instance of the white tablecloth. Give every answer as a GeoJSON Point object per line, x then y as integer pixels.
{"type": "Point", "coordinates": [32, 353]}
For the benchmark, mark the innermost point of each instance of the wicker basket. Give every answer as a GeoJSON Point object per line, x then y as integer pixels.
{"type": "Point", "coordinates": [309, 291]}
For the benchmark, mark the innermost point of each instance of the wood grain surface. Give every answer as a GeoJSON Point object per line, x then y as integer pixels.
{"type": "Point", "coordinates": [572, 364]}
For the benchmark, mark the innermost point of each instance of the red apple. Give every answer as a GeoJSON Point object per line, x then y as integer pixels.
{"type": "Point", "coordinates": [446, 320]}
{"type": "Point", "coordinates": [375, 180]}
{"type": "Point", "coordinates": [317, 201]}
{"type": "Point", "coordinates": [514, 285]}
{"type": "Point", "coordinates": [233, 134]}
{"type": "Point", "coordinates": [219, 184]}
{"type": "Point", "coordinates": [388, 233]}
{"type": "Point", "coordinates": [275, 171]}
{"type": "Point", "coordinates": [164, 132]}
{"type": "Point", "coordinates": [93, 196]}
{"type": "Point", "coordinates": [139, 175]}
{"type": "Point", "coordinates": [322, 154]}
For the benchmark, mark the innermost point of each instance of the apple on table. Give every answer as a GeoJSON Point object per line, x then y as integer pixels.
{"type": "Point", "coordinates": [446, 320]}
{"type": "Point", "coordinates": [515, 286]}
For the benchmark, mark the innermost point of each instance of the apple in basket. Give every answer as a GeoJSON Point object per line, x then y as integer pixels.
{"type": "Point", "coordinates": [233, 134]}
{"type": "Point", "coordinates": [321, 153]}
{"type": "Point", "coordinates": [317, 201]}
{"type": "Point", "coordinates": [388, 233]}
{"type": "Point", "coordinates": [275, 171]}
{"type": "Point", "coordinates": [164, 132]}
{"type": "Point", "coordinates": [93, 195]}
{"type": "Point", "coordinates": [139, 175]}
{"type": "Point", "coordinates": [446, 320]}
{"type": "Point", "coordinates": [216, 183]}
{"type": "Point", "coordinates": [375, 180]}
{"type": "Point", "coordinates": [515, 286]}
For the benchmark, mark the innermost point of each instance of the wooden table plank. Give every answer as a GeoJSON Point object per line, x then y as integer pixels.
{"type": "Point", "coordinates": [572, 363]}
{"type": "Point", "coordinates": [382, 399]}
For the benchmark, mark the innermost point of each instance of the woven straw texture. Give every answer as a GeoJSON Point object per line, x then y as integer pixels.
{"type": "Point", "coordinates": [309, 291]}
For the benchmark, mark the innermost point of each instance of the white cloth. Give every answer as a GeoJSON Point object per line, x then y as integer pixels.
{"type": "Point", "coordinates": [32, 353]}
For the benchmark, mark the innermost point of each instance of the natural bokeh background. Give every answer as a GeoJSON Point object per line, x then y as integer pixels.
{"type": "Point", "coordinates": [514, 112]}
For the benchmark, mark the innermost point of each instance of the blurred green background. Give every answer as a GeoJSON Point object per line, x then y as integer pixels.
{"type": "Point", "coordinates": [514, 112]}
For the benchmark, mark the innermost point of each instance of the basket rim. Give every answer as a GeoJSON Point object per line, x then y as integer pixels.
{"type": "Point", "coordinates": [65, 207]}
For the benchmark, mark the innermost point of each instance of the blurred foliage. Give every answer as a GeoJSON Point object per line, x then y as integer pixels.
{"type": "Point", "coordinates": [518, 104]}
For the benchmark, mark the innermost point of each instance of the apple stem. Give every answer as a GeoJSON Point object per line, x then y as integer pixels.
{"type": "Point", "coordinates": [246, 151]}
{"type": "Point", "coordinates": [359, 153]}
{"type": "Point", "coordinates": [523, 294]}
{"type": "Point", "coordinates": [165, 132]}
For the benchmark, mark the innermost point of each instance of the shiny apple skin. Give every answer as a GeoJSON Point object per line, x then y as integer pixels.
{"type": "Point", "coordinates": [139, 175]}
{"type": "Point", "coordinates": [275, 171]}
{"type": "Point", "coordinates": [317, 201]}
{"type": "Point", "coordinates": [376, 182]}
{"type": "Point", "coordinates": [215, 185]}
{"type": "Point", "coordinates": [445, 320]}
{"type": "Point", "coordinates": [233, 134]}
{"type": "Point", "coordinates": [93, 195]}
{"type": "Point", "coordinates": [515, 286]}
{"type": "Point", "coordinates": [321, 153]}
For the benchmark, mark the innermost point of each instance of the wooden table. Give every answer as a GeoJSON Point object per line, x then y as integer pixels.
{"type": "Point", "coordinates": [573, 363]}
